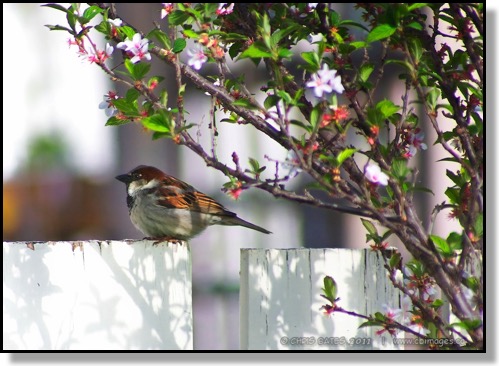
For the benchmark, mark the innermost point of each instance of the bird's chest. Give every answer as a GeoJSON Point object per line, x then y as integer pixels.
{"type": "Point", "coordinates": [155, 220]}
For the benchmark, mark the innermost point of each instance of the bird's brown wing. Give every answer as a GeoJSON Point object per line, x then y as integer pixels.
{"type": "Point", "coordinates": [178, 194]}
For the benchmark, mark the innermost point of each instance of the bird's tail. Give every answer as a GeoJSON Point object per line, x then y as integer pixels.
{"type": "Point", "coordinates": [236, 221]}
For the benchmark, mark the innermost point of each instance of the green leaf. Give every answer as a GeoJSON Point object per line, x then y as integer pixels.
{"type": "Point", "coordinates": [374, 116]}
{"type": "Point", "coordinates": [113, 121]}
{"type": "Point", "coordinates": [132, 95]}
{"type": "Point", "coordinates": [455, 241]}
{"type": "Point", "coordinates": [416, 49]}
{"type": "Point", "coordinates": [314, 117]}
{"type": "Point", "coordinates": [453, 194]}
{"type": "Point", "coordinates": [256, 50]}
{"type": "Point", "coordinates": [371, 229]}
{"type": "Point", "coordinates": [387, 108]}
{"type": "Point", "coordinates": [472, 283]}
{"type": "Point", "coordinates": [156, 123]}
{"type": "Point", "coordinates": [179, 45]}
{"type": "Point", "coordinates": [358, 44]}
{"type": "Point", "coordinates": [386, 235]}
{"type": "Point", "coordinates": [312, 59]}
{"type": "Point", "coordinates": [255, 165]}
{"type": "Point", "coordinates": [437, 303]}
{"type": "Point", "coordinates": [400, 169]}
{"type": "Point", "coordinates": [242, 102]}
{"type": "Point", "coordinates": [456, 178]}
{"type": "Point", "coordinates": [129, 66]}
{"type": "Point", "coordinates": [284, 53]}
{"type": "Point", "coordinates": [418, 188]}
{"type": "Point", "coordinates": [126, 32]}
{"type": "Point", "coordinates": [478, 225]}
{"type": "Point", "coordinates": [229, 37]}
{"type": "Point", "coordinates": [432, 98]}
{"type": "Point", "coordinates": [415, 25]}
{"type": "Point", "coordinates": [278, 35]}
{"type": "Point", "coordinates": [403, 63]}
{"type": "Point", "coordinates": [353, 23]}
{"type": "Point", "coordinates": [57, 7]}
{"type": "Point", "coordinates": [416, 6]}
{"type": "Point", "coordinates": [285, 96]}
{"type": "Point", "coordinates": [158, 135]}
{"type": "Point", "coordinates": [442, 246]}
{"type": "Point", "coordinates": [161, 36]}
{"type": "Point", "coordinates": [163, 98]}
{"type": "Point", "coordinates": [344, 155]}
{"type": "Point", "coordinates": [380, 32]}
{"type": "Point", "coordinates": [395, 260]}
{"type": "Point", "coordinates": [71, 18]}
{"type": "Point", "coordinates": [334, 18]}
{"type": "Point", "coordinates": [417, 268]}
{"type": "Point", "coordinates": [365, 71]}
{"type": "Point", "coordinates": [191, 34]}
{"type": "Point", "coordinates": [58, 27]}
{"type": "Point", "coordinates": [468, 324]}
{"type": "Point", "coordinates": [137, 71]}
{"type": "Point", "coordinates": [178, 17]}
{"type": "Point", "coordinates": [270, 101]}
{"type": "Point", "coordinates": [104, 28]}
{"type": "Point", "coordinates": [90, 13]}
{"type": "Point", "coordinates": [371, 323]}
{"type": "Point", "coordinates": [264, 24]}
{"type": "Point", "coordinates": [126, 107]}
{"type": "Point", "coordinates": [235, 49]}
{"type": "Point", "coordinates": [330, 288]}
{"type": "Point", "coordinates": [306, 127]}
{"type": "Point", "coordinates": [140, 70]}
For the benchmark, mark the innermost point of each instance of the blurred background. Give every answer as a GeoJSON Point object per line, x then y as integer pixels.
{"type": "Point", "coordinates": [60, 160]}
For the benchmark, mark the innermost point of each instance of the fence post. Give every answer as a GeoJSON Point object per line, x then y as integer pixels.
{"type": "Point", "coordinates": [280, 299]}
{"type": "Point", "coordinates": [97, 295]}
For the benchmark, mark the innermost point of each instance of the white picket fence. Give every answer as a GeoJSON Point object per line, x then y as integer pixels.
{"type": "Point", "coordinates": [99, 295]}
{"type": "Point", "coordinates": [280, 299]}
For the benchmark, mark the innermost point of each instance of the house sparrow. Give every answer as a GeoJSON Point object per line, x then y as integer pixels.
{"type": "Point", "coordinates": [162, 206]}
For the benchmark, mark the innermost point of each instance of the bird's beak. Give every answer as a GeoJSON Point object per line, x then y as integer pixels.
{"type": "Point", "coordinates": [125, 178]}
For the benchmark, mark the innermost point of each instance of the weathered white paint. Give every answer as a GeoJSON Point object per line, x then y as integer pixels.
{"type": "Point", "coordinates": [280, 299]}
{"type": "Point", "coordinates": [97, 295]}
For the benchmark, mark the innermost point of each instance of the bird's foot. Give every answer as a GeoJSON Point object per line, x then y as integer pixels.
{"type": "Point", "coordinates": [162, 239]}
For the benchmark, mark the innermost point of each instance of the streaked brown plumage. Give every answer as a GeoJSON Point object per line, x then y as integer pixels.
{"type": "Point", "coordinates": [162, 206]}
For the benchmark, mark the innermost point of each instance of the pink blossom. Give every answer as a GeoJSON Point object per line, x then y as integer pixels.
{"type": "Point", "coordinates": [423, 287]}
{"type": "Point", "coordinates": [413, 141]}
{"type": "Point", "coordinates": [418, 328]}
{"type": "Point", "coordinates": [167, 9]}
{"type": "Point", "coordinates": [417, 142]}
{"type": "Point", "coordinates": [392, 314]}
{"type": "Point", "coordinates": [325, 81]}
{"type": "Point", "coordinates": [97, 56]}
{"type": "Point", "coordinates": [117, 22]}
{"type": "Point", "coordinates": [374, 174]}
{"type": "Point", "coordinates": [225, 10]}
{"type": "Point", "coordinates": [235, 193]}
{"type": "Point", "coordinates": [311, 6]}
{"type": "Point", "coordinates": [107, 104]}
{"type": "Point", "coordinates": [137, 47]}
{"type": "Point", "coordinates": [328, 309]}
{"type": "Point", "coordinates": [198, 58]}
